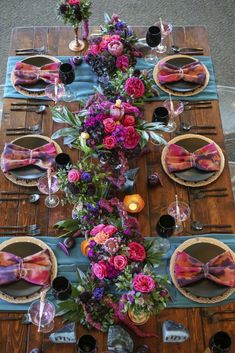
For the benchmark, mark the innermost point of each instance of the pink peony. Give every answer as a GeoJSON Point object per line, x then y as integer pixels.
{"type": "Point", "coordinates": [115, 48]}
{"type": "Point", "coordinates": [119, 262]}
{"type": "Point", "coordinates": [128, 120]}
{"type": "Point", "coordinates": [109, 125]}
{"type": "Point", "coordinates": [99, 269]}
{"type": "Point", "coordinates": [131, 138]}
{"type": "Point", "coordinates": [143, 283]}
{"type": "Point", "coordinates": [130, 109]}
{"type": "Point", "coordinates": [97, 229]}
{"type": "Point", "coordinates": [134, 87]}
{"type": "Point", "coordinates": [73, 175]}
{"type": "Point", "coordinates": [110, 229]}
{"type": "Point", "coordinates": [136, 252]}
{"type": "Point", "coordinates": [115, 37]}
{"type": "Point", "coordinates": [109, 142]}
{"type": "Point", "coordinates": [74, 2]}
{"type": "Point", "coordinates": [122, 63]}
{"type": "Point", "coordinates": [94, 49]}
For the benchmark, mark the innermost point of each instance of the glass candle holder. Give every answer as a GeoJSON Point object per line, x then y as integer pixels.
{"type": "Point", "coordinates": [133, 203]}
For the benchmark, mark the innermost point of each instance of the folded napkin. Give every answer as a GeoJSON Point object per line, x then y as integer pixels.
{"type": "Point", "coordinates": [33, 269]}
{"type": "Point", "coordinates": [14, 156]}
{"type": "Point", "coordinates": [193, 72]}
{"type": "Point", "coordinates": [30, 74]}
{"type": "Point", "coordinates": [220, 269]}
{"type": "Point", "coordinates": [206, 158]}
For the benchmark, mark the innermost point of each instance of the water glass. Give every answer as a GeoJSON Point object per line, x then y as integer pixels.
{"type": "Point", "coordinates": [87, 344]}
{"type": "Point", "coordinates": [48, 185]}
{"type": "Point", "coordinates": [181, 212]}
{"type": "Point", "coordinates": [46, 322]}
{"type": "Point", "coordinates": [61, 288]}
{"type": "Point", "coordinates": [174, 108]}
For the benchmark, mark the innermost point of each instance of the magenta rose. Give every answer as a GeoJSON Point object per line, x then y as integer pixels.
{"type": "Point", "coordinates": [97, 229]}
{"type": "Point", "coordinates": [122, 63]}
{"type": "Point", "coordinates": [110, 230]}
{"type": "Point", "coordinates": [94, 49]}
{"type": "Point", "coordinates": [130, 109]}
{"type": "Point", "coordinates": [136, 252]}
{"type": "Point", "coordinates": [131, 138]}
{"type": "Point", "coordinates": [119, 262]}
{"type": "Point", "coordinates": [115, 47]}
{"type": "Point", "coordinates": [99, 269]}
{"type": "Point", "coordinates": [134, 87]}
{"type": "Point", "coordinates": [143, 283]}
{"type": "Point", "coordinates": [115, 37]}
{"type": "Point", "coordinates": [109, 142]}
{"type": "Point", "coordinates": [74, 2]}
{"type": "Point", "coordinates": [74, 175]}
{"type": "Point", "coordinates": [128, 120]}
{"type": "Point", "coordinates": [109, 125]}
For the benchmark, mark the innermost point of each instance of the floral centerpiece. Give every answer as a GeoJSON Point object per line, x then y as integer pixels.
{"type": "Point", "coordinates": [82, 183]}
{"type": "Point", "coordinates": [115, 132]}
{"type": "Point", "coordinates": [115, 49]}
{"type": "Point", "coordinates": [74, 12]}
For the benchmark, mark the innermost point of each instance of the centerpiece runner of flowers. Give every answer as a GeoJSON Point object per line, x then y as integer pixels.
{"type": "Point", "coordinates": [114, 49]}
{"type": "Point", "coordinates": [115, 132]}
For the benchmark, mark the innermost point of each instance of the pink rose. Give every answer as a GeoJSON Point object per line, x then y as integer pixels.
{"type": "Point", "coordinates": [110, 230]}
{"type": "Point", "coordinates": [115, 37]}
{"type": "Point", "coordinates": [97, 229]}
{"type": "Point", "coordinates": [130, 109]}
{"type": "Point", "coordinates": [94, 49]}
{"type": "Point", "coordinates": [115, 48]}
{"type": "Point", "coordinates": [99, 269]}
{"type": "Point", "coordinates": [128, 120]}
{"type": "Point", "coordinates": [134, 87]}
{"type": "Point", "coordinates": [115, 18]}
{"type": "Point", "coordinates": [73, 175]}
{"type": "Point", "coordinates": [143, 283]}
{"type": "Point", "coordinates": [109, 142]}
{"type": "Point", "coordinates": [136, 252]}
{"type": "Point", "coordinates": [131, 138]}
{"type": "Point", "coordinates": [109, 125]}
{"type": "Point", "coordinates": [74, 2]}
{"type": "Point", "coordinates": [122, 63]}
{"type": "Point", "coordinates": [119, 262]}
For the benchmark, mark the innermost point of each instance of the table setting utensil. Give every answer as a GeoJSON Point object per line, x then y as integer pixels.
{"type": "Point", "coordinates": [204, 132]}
{"type": "Point", "coordinates": [198, 226]}
{"type": "Point", "coordinates": [198, 191]}
{"type": "Point", "coordinates": [40, 109]}
{"type": "Point", "coordinates": [196, 102]}
{"type": "Point", "coordinates": [22, 232]}
{"type": "Point", "coordinates": [34, 198]}
{"type": "Point", "coordinates": [205, 195]}
{"type": "Point", "coordinates": [34, 128]}
{"type": "Point", "coordinates": [29, 104]}
{"type": "Point", "coordinates": [185, 50]}
{"type": "Point", "coordinates": [195, 106]}
{"type": "Point", "coordinates": [40, 49]}
{"type": "Point", "coordinates": [23, 132]}
{"type": "Point", "coordinates": [26, 228]}
{"type": "Point", "coordinates": [18, 192]}
{"type": "Point", "coordinates": [185, 126]}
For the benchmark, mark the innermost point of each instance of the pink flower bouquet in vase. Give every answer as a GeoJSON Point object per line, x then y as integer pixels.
{"type": "Point", "coordinates": [75, 12]}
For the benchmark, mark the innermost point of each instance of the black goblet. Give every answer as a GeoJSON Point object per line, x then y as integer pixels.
{"type": "Point", "coordinates": [220, 343]}
{"type": "Point", "coordinates": [87, 344]}
{"type": "Point", "coordinates": [161, 115]}
{"type": "Point", "coordinates": [61, 288]}
{"type": "Point", "coordinates": [165, 227]}
{"type": "Point", "coordinates": [153, 39]}
{"type": "Point", "coordinates": [62, 160]}
{"type": "Point", "coordinates": [67, 76]}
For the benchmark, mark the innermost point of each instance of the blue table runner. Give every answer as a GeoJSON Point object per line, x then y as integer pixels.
{"type": "Point", "coordinates": [67, 267]}
{"type": "Point", "coordinates": [86, 80]}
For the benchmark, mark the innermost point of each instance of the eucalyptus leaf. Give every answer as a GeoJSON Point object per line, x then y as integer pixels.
{"type": "Point", "coordinates": [64, 132]}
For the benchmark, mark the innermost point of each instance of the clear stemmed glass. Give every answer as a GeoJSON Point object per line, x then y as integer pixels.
{"type": "Point", "coordinates": [153, 38]}
{"type": "Point", "coordinates": [174, 108]}
{"type": "Point", "coordinates": [55, 92]}
{"type": "Point", "coordinates": [45, 323]}
{"type": "Point", "coordinates": [48, 185]}
{"type": "Point", "coordinates": [166, 29]}
{"type": "Point", "coordinates": [181, 212]}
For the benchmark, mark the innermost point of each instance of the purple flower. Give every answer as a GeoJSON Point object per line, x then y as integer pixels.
{"type": "Point", "coordinates": [111, 271]}
{"type": "Point", "coordinates": [119, 25]}
{"type": "Point", "coordinates": [90, 253]}
{"type": "Point", "coordinates": [63, 9]}
{"type": "Point", "coordinates": [86, 177]}
{"type": "Point", "coordinates": [98, 293]}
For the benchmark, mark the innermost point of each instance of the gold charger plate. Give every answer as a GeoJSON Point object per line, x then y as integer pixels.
{"type": "Point", "coordinates": [202, 242]}
{"type": "Point", "coordinates": [42, 245]}
{"type": "Point", "coordinates": [34, 182]}
{"type": "Point", "coordinates": [176, 93]}
{"type": "Point", "coordinates": [209, 177]}
{"type": "Point", "coordinates": [37, 60]}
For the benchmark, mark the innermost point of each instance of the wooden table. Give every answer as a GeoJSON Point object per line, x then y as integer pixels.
{"type": "Point", "coordinates": [18, 338]}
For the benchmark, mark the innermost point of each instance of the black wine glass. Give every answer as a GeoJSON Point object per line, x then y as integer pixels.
{"type": "Point", "coordinates": [62, 160]}
{"type": "Point", "coordinates": [61, 288]}
{"type": "Point", "coordinates": [87, 344]}
{"type": "Point", "coordinates": [165, 228]}
{"type": "Point", "coordinates": [67, 76]}
{"type": "Point", "coordinates": [220, 342]}
{"type": "Point", "coordinates": [153, 39]}
{"type": "Point", "coordinates": [161, 115]}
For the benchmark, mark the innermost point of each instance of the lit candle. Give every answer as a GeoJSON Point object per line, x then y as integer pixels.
{"type": "Point", "coordinates": [133, 203]}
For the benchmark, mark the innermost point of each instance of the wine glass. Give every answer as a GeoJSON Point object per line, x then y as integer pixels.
{"type": "Point", "coordinates": [87, 344]}
{"type": "Point", "coordinates": [55, 92]}
{"type": "Point", "coordinates": [166, 29]}
{"type": "Point", "coordinates": [48, 185]}
{"type": "Point", "coordinates": [165, 228]}
{"type": "Point", "coordinates": [67, 76]}
{"type": "Point", "coordinates": [153, 38]}
{"type": "Point", "coordinates": [45, 321]}
{"type": "Point", "coordinates": [220, 342]}
{"type": "Point", "coordinates": [181, 212]}
{"type": "Point", "coordinates": [174, 108]}
{"type": "Point", "coordinates": [61, 288]}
